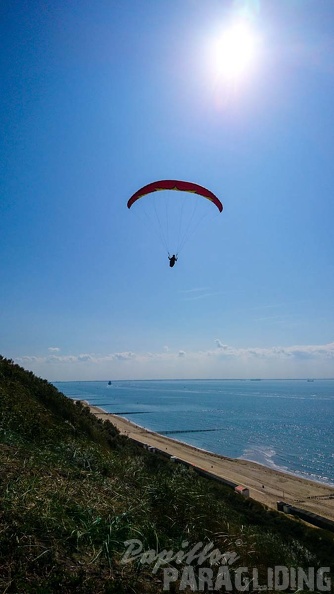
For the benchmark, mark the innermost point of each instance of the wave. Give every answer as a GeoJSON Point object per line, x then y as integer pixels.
{"type": "Point", "coordinates": [265, 455]}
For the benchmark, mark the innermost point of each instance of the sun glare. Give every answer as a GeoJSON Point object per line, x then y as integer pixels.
{"type": "Point", "coordinates": [235, 51]}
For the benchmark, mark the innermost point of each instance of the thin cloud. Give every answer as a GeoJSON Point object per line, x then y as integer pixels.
{"type": "Point", "coordinates": [220, 345]}
{"type": "Point", "coordinates": [296, 351]}
{"type": "Point", "coordinates": [222, 360]}
{"type": "Point", "coordinates": [197, 293]}
{"type": "Point", "coordinates": [124, 356]}
{"type": "Point", "coordinates": [195, 290]}
{"type": "Point", "coordinates": [221, 350]}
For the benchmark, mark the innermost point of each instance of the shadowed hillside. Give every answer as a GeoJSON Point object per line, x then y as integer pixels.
{"type": "Point", "coordinates": [73, 491]}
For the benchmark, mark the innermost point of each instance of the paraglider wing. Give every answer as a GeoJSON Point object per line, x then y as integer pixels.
{"type": "Point", "coordinates": [181, 186]}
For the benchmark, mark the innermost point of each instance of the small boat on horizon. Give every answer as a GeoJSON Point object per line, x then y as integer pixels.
{"type": "Point", "coordinates": [109, 383]}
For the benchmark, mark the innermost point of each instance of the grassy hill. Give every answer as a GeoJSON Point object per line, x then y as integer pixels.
{"type": "Point", "coordinates": [73, 491]}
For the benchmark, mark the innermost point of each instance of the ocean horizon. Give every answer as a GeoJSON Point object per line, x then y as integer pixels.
{"type": "Point", "coordinates": [286, 425]}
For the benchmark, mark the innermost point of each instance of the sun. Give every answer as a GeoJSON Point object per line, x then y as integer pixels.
{"type": "Point", "coordinates": [235, 51]}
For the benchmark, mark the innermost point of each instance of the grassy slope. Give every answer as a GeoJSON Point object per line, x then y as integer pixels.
{"type": "Point", "coordinates": [73, 490]}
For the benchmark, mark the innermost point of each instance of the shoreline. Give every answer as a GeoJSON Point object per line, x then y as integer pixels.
{"type": "Point", "coordinates": [266, 485]}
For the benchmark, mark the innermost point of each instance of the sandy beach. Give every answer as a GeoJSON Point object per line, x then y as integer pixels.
{"type": "Point", "coordinates": [265, 484]}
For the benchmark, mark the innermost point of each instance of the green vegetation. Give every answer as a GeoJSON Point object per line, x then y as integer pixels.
{"type": "Point", "coordinates": [73, 491]}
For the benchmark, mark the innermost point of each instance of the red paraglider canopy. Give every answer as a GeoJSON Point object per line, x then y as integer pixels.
{"type": "Point", "coordinates": [181, 186]}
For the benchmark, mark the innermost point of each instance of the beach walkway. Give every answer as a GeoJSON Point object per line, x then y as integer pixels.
{"type": "Point", "coordinates": [266, 485]}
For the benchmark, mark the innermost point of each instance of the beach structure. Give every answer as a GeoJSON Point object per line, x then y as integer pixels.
{"type": "Point", "coordinates": [309, 517]}
{"type": "Point", "coordinates": [244, 491]}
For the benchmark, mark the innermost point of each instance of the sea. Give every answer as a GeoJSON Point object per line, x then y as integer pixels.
{"type": "Point", "coordinates": [283, 424]}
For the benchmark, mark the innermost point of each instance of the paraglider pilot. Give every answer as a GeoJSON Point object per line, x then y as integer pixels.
{"type": "Point", "coordinates": [172, 259]}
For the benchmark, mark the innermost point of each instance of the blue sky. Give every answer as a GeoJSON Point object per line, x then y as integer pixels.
{"type": "Point", "coordinates": [99, 98]}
